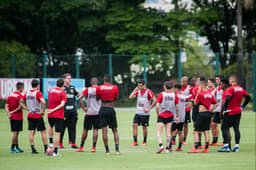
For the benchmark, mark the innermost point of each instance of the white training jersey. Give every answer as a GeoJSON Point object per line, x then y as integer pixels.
{"type": "Point", "coordinates": [142, 102]}
{"type": "Point", "coordinates": [182, 106]}
{"type": "Point", "coordinates": [186, 92]}
{"type": "Point", "coordinates": [32, 103]}
{"type": "Point", "coordinates": [93, 105]}
{"type": "Point", "coordinates": [217, 93]}
{"type": "Point", "coordinates": [168, 103]}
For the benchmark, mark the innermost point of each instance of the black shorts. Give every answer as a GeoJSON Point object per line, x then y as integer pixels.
{"type": "Point", "coordinates": [216, 117]}
{"type": "Point", "coordinates": [57, 122]}
{"type": "Point", "coordinates": [107, 117]}
{"type": "Point", "coordinates": [16, 125]}
{"type": "Point", "coordinates": [91, 122]}
{"type": "Point", "coordinates": [231, 120]}
{"type": "Point", "coordinates": [195, 112]}
{"type": "Point", "coordinates": [141, 120]}
{"type": "Point", "coordinates": [203, 121]}
{"type": "Point", "coordinates": [187, 117]}
{"type": "Point", "coordinates": [36, 124]}
{"type": "Point", "coordinates": [177, 126]}
{"type": "Point", "coordinates": [164, 120]}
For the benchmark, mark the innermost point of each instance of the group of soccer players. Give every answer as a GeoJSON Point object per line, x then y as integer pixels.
{"type": "Point", "coordinates": [210, 106]}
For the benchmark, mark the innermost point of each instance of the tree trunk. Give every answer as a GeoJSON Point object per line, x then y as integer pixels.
{"type": "Point", "coordinates": [240, 70]}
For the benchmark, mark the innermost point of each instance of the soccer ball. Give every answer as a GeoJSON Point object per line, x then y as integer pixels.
{"type": "Point", "coordinates": [49, 151]}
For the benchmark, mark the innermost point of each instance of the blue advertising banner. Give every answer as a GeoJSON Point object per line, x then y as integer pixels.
{"type": "Point", "coordinates": [49, 83]}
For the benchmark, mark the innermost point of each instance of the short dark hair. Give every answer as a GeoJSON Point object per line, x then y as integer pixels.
{"type": "Point", "coordinates": [212, 80]}
{"type": "Point", "coordinates": [141, 81]}
{"type": "Point", "coordinates": [107, 78]}
{"type": "Point", "coordinates": [168, 85]}
{"type": "Point", "coordinates": [221, 76]}
{"type": "Point", "coordinates": [234, 76]}
{"type": "Point", "coordinates": [178, 86]}
{"type": "Point", "coordinates": [203, 80]}
{"type": "Point", "coordinates": [60, 82]}
{"type": "Point", "coordinates": [66, 75]}
{"type": "Point", "coordinates": [19, 85]}
{"type": "Point", "coordinates": [225, 81]}
{"type": "Point", "coordinates": [35, 83]}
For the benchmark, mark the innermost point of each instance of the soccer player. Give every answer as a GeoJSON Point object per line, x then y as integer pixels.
{"type": "Point", "coordinates": [211, 84]}
{"type": "Point", "coordinates": [57, 99]}
{"type": "Point", "coordinates": [36, 106]}
{"type": "Point", "coordinates": [232, 112]}
{"type": "Point", "coordinates": [107, 116]}
{"type": "Point", "coordinates": [179, 118]}
{"type": "Point", "coordinates": [217, 93]}
{"type": "Point", "coordinates": [91, 119]}
{"type": "Point", "coordinates": [202, 124]}
{"type": "Point", "coordinates": [144, 96]}
{"type": "Point", "coordinates": [187, 90]}
{"type": "Point", "coordinates": [70, 112]}
{"type": "Point", "coordinates": [15, 114]}
{"type": "Point", "coordinates": [165, 109]}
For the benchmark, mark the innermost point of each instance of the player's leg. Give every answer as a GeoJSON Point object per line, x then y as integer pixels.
{"type": "Point", "coordinates": [116, 139]}
{"type": "Point", "coordinates": [145, 124]}
{"type": "Point", "coordinates": [196, 140]}
{"type": "Point", "coordinates": [159, 130]}
{"type": "Point", "coordinates": [44, 139]}
{"type": "Point", "coordinates": [174, 133]}
{"type": "Point", "coordinates": [105, 138]}
{"type": "Point", "coordinates": [94, 140]}
{"type": "Point", "coordinates": [135, 130]}
{"type": "Point", "coordinates": [14, 141]}
{"type": "Point", "coordinates": [31, 141]}
{"type": "Point", "coordinates": [225, 133]}
{"type": "Point", "coordinates": [236, 124]}
{"type": "Point", "coordinates": [50, 131]}
{"type": "Point", "coordinates": [168, 126]}
{"type": "Point", "coordinates": [72, 130]}
{"type": "Point", "coordinates": [185, 132]}
{"type": "Point", "coordinates": [63, 133]}
{"type": "Point", "coordinates": [179, 131]}
{"type": "Point", "coordinates": [41, 127]}
{"type": "Point", "coordinates": [84, 134]}
{"type": "Point", "coordinates": [59, 123]}
{"type": "Point", "coordinates": [207, 139]}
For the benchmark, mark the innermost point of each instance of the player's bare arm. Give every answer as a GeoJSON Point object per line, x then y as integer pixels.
{"type": "Point", "coordinates": [177, 113]}
{"type": "Point", "coordinates": [133, 93]}
{"type": "Point", "coordinates": [151, 106]}
{"type": "Point", "coordinates": [23, 105]}
{"type": "Point", "coordinates": [49, 111]}
{"type": "Point", "coordinates": [157, 108]}
{"type": "Point", "coordinates": [7, 110]}
{"type": "Point", "coordinates": [43, 103]}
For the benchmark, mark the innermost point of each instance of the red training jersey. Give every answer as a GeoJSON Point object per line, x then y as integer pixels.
{"type": "Point", "coordinates": [14, 101]}
{"type": "Point", "coordinates": [55, 97]}
{"type": "Point", "coordinates": [236, 93]}
{"type": "Point", "coordinates": [107, 92]}
{"type": "Point", "coordinates": [39, 96]}
{"type": "Point", "coordinates": [205, 98]}
{"type": "Point", "coordinates": [166, 113]}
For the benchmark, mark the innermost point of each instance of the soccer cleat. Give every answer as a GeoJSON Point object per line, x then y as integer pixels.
{"type": "Point", "coordinates": [34, 152]}
{"type": "Point", "coordinates": [69, 142]}
{"type": "Point", "coordinates": [205, 151]}
{"type": "Point", "coordinates": [107, 153]}
{"type": "Point", "coordinates": [167, 151]}
{"type": "Point", "coordinates": [55, 154]}
{"type": "Point", "coordinates": [235, 149]}
{"type": "Point", "coordinates": [224, 149]}
{"type": "Point", "coordinates": [184, 143]}
{"type": "Point", "coordinates": [173, 143]}
{"type": "Point", "coordinates": [144, 144]}
{"type": "Point", "coordinates": [74, 146]}
{"type": "Point", "coordinates": [214, 144]}
{"type": "Point", "coordinates": [117, 153]}
{"type": "Point", "coordinates": [178, 149]}
{"type": "Point", "coordinates": [201, 147]}
{"type": "Point", "coordinates": [12, 150]}
{"type": "Point", "coordinates": [18, 150]}
{"type": "Point", "coordinates": [93, 149]}
{"type": "Point", "coordinates": [194, 151]}
{"type": "Point", "coordinates": [81, 149]}
{"type": "Point", "coordinates": [161, 149]}
{"type": "Point", "coordinates": [61, 145]}
{"type": "Point", "coordinates": [170, 149]}
{"type": "Point", "coordinates": [135, 144]}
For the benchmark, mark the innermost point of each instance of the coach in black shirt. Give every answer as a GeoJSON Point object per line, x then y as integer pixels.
{"type": "Point", "coordinates": [70, 112]}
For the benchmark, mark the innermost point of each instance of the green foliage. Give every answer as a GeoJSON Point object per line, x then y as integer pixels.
{"type": "Point", "coordinates": [25, 61]}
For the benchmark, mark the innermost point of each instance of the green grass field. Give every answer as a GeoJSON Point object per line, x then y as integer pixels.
{"type": "Point", "coordinates": [131, 157]}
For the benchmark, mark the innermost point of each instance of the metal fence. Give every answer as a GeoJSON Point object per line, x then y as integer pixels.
{"type": "Point", "coordinates": [126, 69]}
